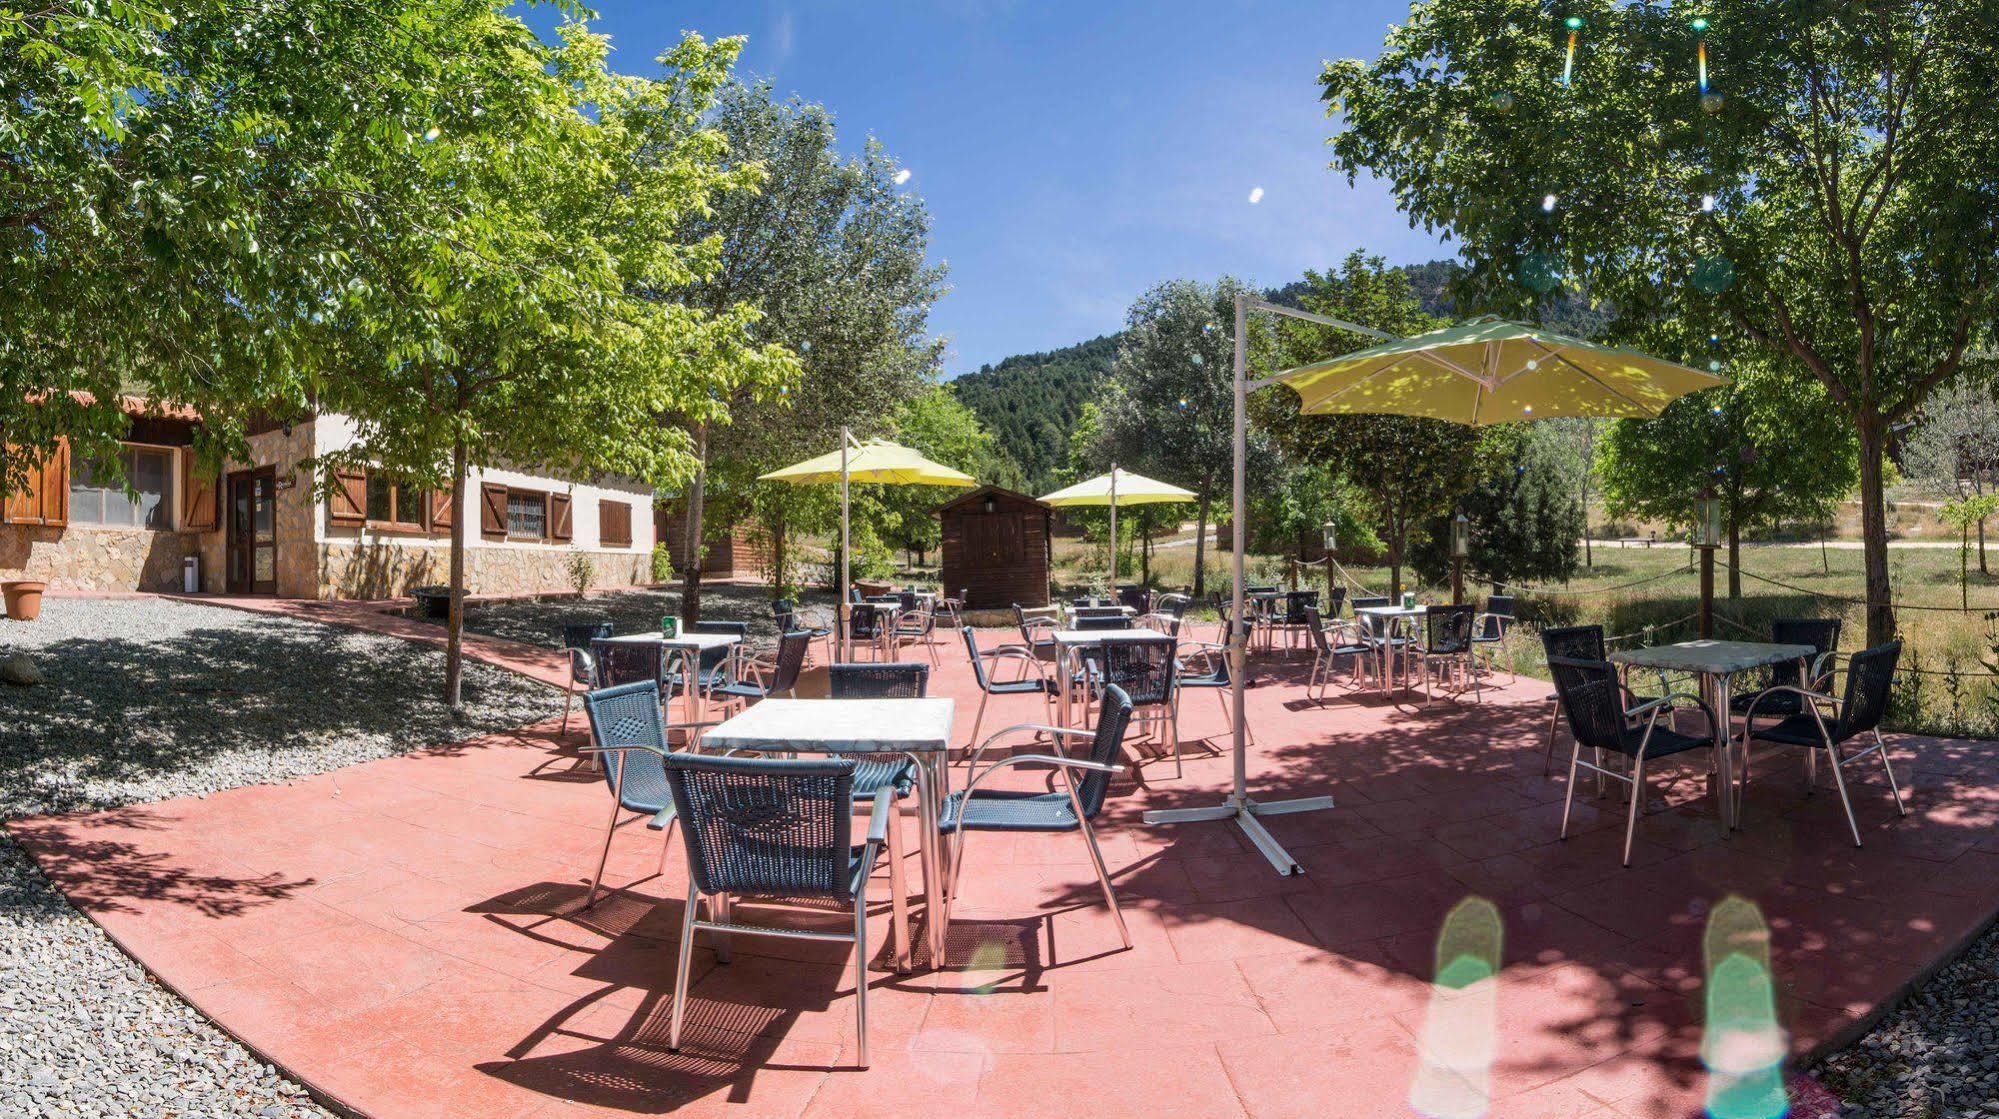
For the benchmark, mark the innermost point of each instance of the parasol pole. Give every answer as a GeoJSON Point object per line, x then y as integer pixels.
{"type": "Point", "coordinates": [845, 613]}
{"type": "Point", "coordinates": [1113, 582]}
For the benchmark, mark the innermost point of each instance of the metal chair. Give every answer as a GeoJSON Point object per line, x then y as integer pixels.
{"type": "Point", "coordinates": [915, 625]}
{"type": "Point", "coordinates": [1325, 651]}
{"type": "Point", "coordinates": [1576, 643]}
{"type": "Point", "coordinates": [868, 625]}
{"type": "Point", "coordinates": [713, 667]}
{"type": "Point", "coordinates": [951, 608]}
{"type": "Point", "coordinates": [1489, 632]}
{"type": "Point", "coordinates": [1381, 636]}
{"type": "Point", "coordinates": [778, 676]}
{"type": "Point", "coordinates": [628, 662]}
{"type": "Point", "coordinates": [1168, 611]}
{"type": "Point", "coordinates": [1593, 700]}
{"type": "Point", "coordinates": [628, 738]}
{"type": "Point", "coordinates": [1293, 621]}
{"type": "Point", "coordinates": [779, 828]}
{"type": "Point", "coordinates": [1135, 596]}
{"type": "Point", "coordinates": [1447, 637]}
{"type": "Point", "coordinates": [1145, 670]}
{"type": "Point", "coordinates": [892, 770]}
{"type": "Point", "coordinates": [576, 640]}
{"type": "Point", "coordinates": [1037, 634]}
{"type": "Point", "coordinates": [1213, 674]}
{"type": "Point", "coordinates": [1038, 684]}
{"type": "Point", "coordinates": [1071, 809]}
{"type": "Point", "coordinates": [1870, 677]}
{"type": "Point", "coordinates": [1822, 634]}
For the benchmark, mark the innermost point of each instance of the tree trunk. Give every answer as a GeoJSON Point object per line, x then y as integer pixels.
{"type": "Point", "coordinates": [1874, 526]}
{"type": "Point", "coordinates": [1982, 569]}
{"type": "Point", "coordinates": [1734, 559]}
{"type": "Point", "coordinates": [777, 553]}
{"type": "Point", "coordinates": [1145, 558]}
{"type": "Point", "coordinates": [690, 579]}
{"type": "Point", "coordinates": [1201, 552]}
{"type": "Point", "coordinates": [454, 626]}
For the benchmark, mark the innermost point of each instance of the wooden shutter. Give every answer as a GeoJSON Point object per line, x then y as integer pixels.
{"type": "Point", "coordinates": [441, 510]}
{"type": "Point", "coordinates": [492, 510]}
{"type": "Point", "coordinates": [558, 516]}
{"type": "Point", "coordinates": [44, 496]}
{"type": "Point", "coordinates": [199, 506]}
{"type": "Point", "coordinates": [347, 503]}
{"type": "Point", "coordinates": [614, 524]}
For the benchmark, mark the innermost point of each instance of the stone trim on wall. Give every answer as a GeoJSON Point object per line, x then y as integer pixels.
{"type": "Point", "coordinates": [89, 558]}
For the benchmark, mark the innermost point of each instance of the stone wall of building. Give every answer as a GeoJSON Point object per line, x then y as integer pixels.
{"type": "Point", "coordinates": [386, 569]}
{"type": "Point", "coordinates": [88, 558]}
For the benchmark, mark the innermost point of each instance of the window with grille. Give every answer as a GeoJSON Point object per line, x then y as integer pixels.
{"type": "Point", "coordinates": [527, 515]}
{"type": "Point", "coordinates": [98, 497]}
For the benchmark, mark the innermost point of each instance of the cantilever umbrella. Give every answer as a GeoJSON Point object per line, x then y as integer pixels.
{"type": "Point", "coordinates": [876, 460]}
{"type": "Point", "coordinates": [1119, 487]}
{"type": "Point", "coordinates": [1486, 371]}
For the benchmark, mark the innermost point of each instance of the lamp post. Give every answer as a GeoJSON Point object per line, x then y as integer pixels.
{"type": "Point", "coordinates": [1707, 537]}
{"type": "Point", "coordinates": [1460, 551]}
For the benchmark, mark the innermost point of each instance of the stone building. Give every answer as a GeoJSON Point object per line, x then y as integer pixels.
{"type": "Point", "coordinates": [265, 527]}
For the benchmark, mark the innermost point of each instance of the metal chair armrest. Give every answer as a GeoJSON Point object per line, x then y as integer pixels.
{"type": "Point", "coordinates": [1059, 763]}
{"type": "Point", "coordinates": [1021, 653]}
{"type": "Point", "coordinates": [1666, 701]}
{"type": "Point", "coordinates": [1038, 728]}
{"type": "Point", "coordinates": [881, 814]}
{"type": "Point", "coordinates": [1811, 697]}
{"type": "Point", "coordinates": [661, 818]}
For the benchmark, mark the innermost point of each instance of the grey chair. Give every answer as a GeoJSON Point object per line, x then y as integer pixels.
{"type": "Point", "coordinates": [628, 662]}
{"type": "Point", "coordinates": [1447, 640]}
{"type": "Point", "coordinates": [1381, 635]}
{"type": "Point", "coordinates": [576, 640]}
{"type": "Point", "coordinates": [915, 625]}
{"type": "Point", "coordinates": [778, 676]}
{"type": "Point", "coordinates": [1490, 629]}
{"type": "Point", "coordinates": [775, 828]}
{"type": "Point", "coordinates": [1033, 679]}
{"type": "Point", "coordinates": [1037, 634]}
{"type": "Point", "coordinates": [1330, 642]}
{"type": "Point", "coordinates": [1070, 809]}
{"type": "Point", "coordinates": [1137, 597]}
{"type": "Point", "coordinates": [1870, 678]}
{"type": "Point", "coordinates": [628, 736]}
{"type": "Point", "coordinates": [1593, 700]}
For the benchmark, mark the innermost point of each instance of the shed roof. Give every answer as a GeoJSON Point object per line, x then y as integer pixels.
{"type": "Point", "coordinates": [982, 492]}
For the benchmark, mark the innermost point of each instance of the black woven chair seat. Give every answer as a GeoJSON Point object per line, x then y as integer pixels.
{"type": "Point", "coordinates": [1665, 742]}
{"type": "Point", "coordinates": [744, 689]}
{"type": "Point", "coordinates": [1800, 729]}
{"type": "Point", "coordinates": [1020, 687]}
{"type": "Point", "coordinates": [1008, 810]}
{"type": "Point", "coordinates": [873, 774]}
{"type": "Point", "coordinates": [707, 679]}
{"type": "Point", "coordinates": [1772, 703]}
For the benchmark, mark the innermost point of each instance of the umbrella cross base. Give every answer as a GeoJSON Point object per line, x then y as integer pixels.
{"type": "Point", "coordinates": [1244, 812]}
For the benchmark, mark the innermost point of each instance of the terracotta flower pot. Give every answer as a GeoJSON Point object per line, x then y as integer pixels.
{"type": "Point", "coordinates": [24, 599]}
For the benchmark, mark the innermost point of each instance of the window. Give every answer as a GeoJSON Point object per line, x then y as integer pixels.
{"type": "Point", "coordinates": [614, 524]}
{"type": "Point", "coordinates": [395, 504]}
{"type": "Point", "coordinates": [96, 497]}
{"type": "Point", "coordinates": [527, 515]}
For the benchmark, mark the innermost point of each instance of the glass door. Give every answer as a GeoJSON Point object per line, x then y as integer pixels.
{"type": "Point", "coordinates": [252, 545]}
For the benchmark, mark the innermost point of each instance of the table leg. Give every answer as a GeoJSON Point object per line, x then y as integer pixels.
{"type": "Point", "coordinates": [936, 787]}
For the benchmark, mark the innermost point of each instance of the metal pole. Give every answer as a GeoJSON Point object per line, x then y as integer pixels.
{"type": "Point", "coordinates": [1707, 592]}
{"type": "Point", "coordinates": [1113, 583]}
{"type": "Point", "coordinates": [845, 613]}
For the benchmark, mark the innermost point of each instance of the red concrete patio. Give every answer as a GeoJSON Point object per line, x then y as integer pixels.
{"type": "Point", "coordinates": [405, 936]}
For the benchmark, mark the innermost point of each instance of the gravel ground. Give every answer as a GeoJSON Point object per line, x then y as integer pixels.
{"type": "Point", "coordinates": [1937, 1055]}
{"type": "Point", "coordinates": [634, 611]}
{"type": "Point", "coordinates": [150, 699]}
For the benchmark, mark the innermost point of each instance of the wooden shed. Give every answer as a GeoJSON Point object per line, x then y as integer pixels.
{"type": "Point", "coordinates": [996, 548]}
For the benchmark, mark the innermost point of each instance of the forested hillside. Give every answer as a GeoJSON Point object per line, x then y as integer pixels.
{"type": "Point", "coordinates": [1031, 401]}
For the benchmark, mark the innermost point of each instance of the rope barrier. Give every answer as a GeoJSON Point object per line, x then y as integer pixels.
{"type": "Point", "coordinates": [1858, 601]}
{"type": "Point", "coordinates": [1645, 630]}
{"type": "Point", "coordinates": [1604, 590]}
{"type": "Point", "coordinates": [1838, 656]}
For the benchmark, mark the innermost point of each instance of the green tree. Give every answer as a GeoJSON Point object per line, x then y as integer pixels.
{"type": "Point", "coordinates": [1168, 408]}
{"type": "Point", "coordinates": [518, 308]}
{"type": "Point", "coordinates": [1808, 193]}
{"type": "Point", "coordinates": [835, 255]}
{"type": "Point", "coordinates": [1138, 525]}
{"type": "Point", "coordinates": [943, 429]}
{"type": "Point", "coordinates": [1523, 511]}
{"type": "Point", "coordinates": [1953, 453]}
{"type": "Point", "coordinates": [1405, 469]}
{"type": "Point", "coordinates": [1767, 445]}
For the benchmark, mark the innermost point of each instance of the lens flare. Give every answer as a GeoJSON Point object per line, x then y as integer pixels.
{"type": "Point", "coordinates": [1548, 203]}
{"type": "Point", "coordinates": [1744, 1046]}
{"type": "Point", "coordinates": [1575, 26]}
{"type": "Point", "coordinates": [1461, 1027]}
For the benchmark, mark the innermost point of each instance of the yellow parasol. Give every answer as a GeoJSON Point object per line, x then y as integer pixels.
{"type": "Point", "coordinates": [1119, 487]}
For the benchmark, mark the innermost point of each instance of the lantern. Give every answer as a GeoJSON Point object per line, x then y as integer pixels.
{"type": "Point", "coordinates": [1331, 537]}
{"type": "Point", "coordinates": [1460, 536]}
{"type": "Point", "coordinates": [1708, 532]}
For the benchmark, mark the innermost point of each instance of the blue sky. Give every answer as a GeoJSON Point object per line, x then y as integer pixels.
{"type": "Point", "coordinates": [1074, 153]}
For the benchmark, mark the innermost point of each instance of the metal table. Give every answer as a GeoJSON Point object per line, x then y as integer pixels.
{"type": "Point", "coordinates": [1717, 663]}
{"type": "Point", "coordinates": [1393, 615]}
{"type": "Point", "coordinates": [920, 728]}
{"type": "Point", "coordinates": [688, 647]}
{"type": "Point", "coordinates": [1068, 641]}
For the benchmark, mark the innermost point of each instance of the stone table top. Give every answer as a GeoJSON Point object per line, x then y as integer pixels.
{"type": "Point", "coordinates": [701, 642]}
{"type": "Point", "coordinates": [1713, 658]}
{"type": "Point", "coordinates": [1092, 636]}
{"type": "Point", "coordinates": [1394, 611]}
{"type": "Point", "coordinates": [838, 726]}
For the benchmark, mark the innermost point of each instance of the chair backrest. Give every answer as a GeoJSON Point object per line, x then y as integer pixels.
{"type": "Point", "coordinates": [1173, 605]}
{"type": "Point", "coordinates": [1244, 630]}
{"type": "Point", "coordinates": [582, 668]}
{"type": "Point", "coordinates": [1366, 602]}
{"type": "Point", "coordinates": [785, 611]}
{"type": "Point", "coordinates": [1331, 609]}
{"type": "Point", "coordinates": [1592, 700]}
{"type": "Point", "coordinates": [1316, 626]}
{"type": "Point", "coordinates": [866, 620]}
{"type": "Point", "coordinates": [1447, 629]}
{"type": "Point", "coordinates": [1143, 668]}
{"type": "Point", "coordinates": [1870, 678]}
{"type": "Point", "coordinates": [908, 600]}
{"type": "Point", "coordinates": [1102, 621]}
{"type": "Point", "coordinates": [1822, 634]}
{"type": "Point", "coordinates": [766, 825]}
{"type": "Point", "coordinates": [1107, 748]}
{"type": "Point", "coordinates": [791, 650]}
{"type": "Point", "coordinates": [629, 715]}
{"type": "Point", "coordinates": [878, 681]}
{"type": "Point", "coordinates": [712, 658]}
{"type": "Point", "coordinates": [1138, 598]}
{"type": "Point", "coordinates": [579, 635]}
{"type": "Point", "coordinates": [1573, 642]}
{"type": "Point", "coordinates": [628, 662]}
{"type": "Point", "coordinates": [978, 662]}
{"type": "Point", "coordinates": [1295, 605]}
{"type": "Point", "coordinates": [1098, 611]}
{"type": "Point", "coordinates": [1026, 633]}
{"type": "Point", "coordinates": [1500, 605]}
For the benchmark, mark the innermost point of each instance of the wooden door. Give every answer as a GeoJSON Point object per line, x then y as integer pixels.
{"type": "Point", "coordinates": [251, 549]}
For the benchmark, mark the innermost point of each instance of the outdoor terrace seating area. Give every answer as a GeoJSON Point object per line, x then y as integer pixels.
{"type": "Point", "coordinates": [413, 936]}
